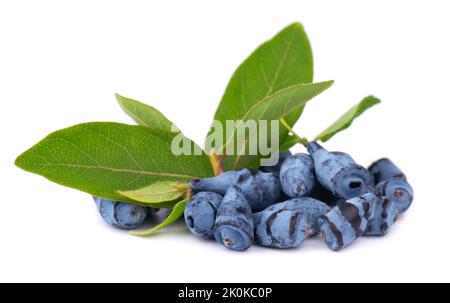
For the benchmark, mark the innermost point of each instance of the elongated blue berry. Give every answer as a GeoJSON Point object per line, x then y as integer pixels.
{"type": "Point", "coordinates": [338, 173]}
{"type": "Point", "coordinates": [384, 169]}
{"type": "Point", "coordinates": [218, 184]}
{"type": "Point", "coordinates": [121, 215]}
{"type": "Point", "coordinates": [200, 213]}
{"type": "Point", "coordinates": [343, 155]}
{"type": "Point", "coordinates": [311, 209]}
{"type": "Point", "coordinates": [347, 221]}
{"type": "Point", "coordinates": [398, 191]}
{"type": "Point", "coordinates": [281, 228]}
{"type": "Point", "coordinates": [297, 175]}
{"type": "Point", "coordinates": [384, 216]}
{"type": "Point", "coordinates": [234, 222]}
{"type": "Point", "coordinates": [260, 189]}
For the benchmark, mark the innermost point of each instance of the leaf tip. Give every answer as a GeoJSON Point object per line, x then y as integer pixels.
{"type": "Point", "coordinates": [372, 100]}
{"type": "Point", "coordinates": [20, 160]}
{"type": "Point", "coordinates": [119, 97]}
{"type": "Point", "coordinates": [140, 233]}
{"type": "Point", "coordinates": [325, 84]}
{"type": "Point", "coordinates": [296, 24]}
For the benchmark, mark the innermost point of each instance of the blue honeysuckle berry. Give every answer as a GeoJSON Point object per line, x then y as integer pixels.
{"type": "Point", "coordinates": [384, 169]}
{"type": "Point", "coordinates": [398, 191]}
{"type": "Point", "coordinates": [218, 184]}
{"type": "Point", "coordinates": [311, 209]}
{"type": "Point", "coordinates": [234, 222]}
{"type": "Point", "coordinates": [338, 173]}
{"type": "Point", "coordinates": [281, 228]}
{"type": "Point", "coordinates": [120, 214]}
{"type": "Point", "coordinates": [385, 214]}
{"type": "Point", "coordinates": [200, 213]}
{"type": "Point", "coordinates": [322, 194]}
{"type": "Point", "coordinates": [347, 221]}
{"type": "Point", "coordinates": [297, 175]}
{"type": "Point", "coordinates": [260, 189]}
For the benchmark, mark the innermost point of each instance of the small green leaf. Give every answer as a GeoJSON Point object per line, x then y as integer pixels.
{"type": "Point", "coordinates": [176, 213]}
{"type": "Point", "coordinates": [284, 61]}
{"type": "Point", "coordinates": [101, 158]}
{"type": "Point", "coordinates": [346, 119]}
{"type": "Point", "coordinates": [158, 192]}
{"type": "Point", "coordinates": [144, 114]}
{"type": "Point", "coordinates": [273, 107]}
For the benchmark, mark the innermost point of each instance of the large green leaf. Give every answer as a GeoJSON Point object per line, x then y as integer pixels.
{"type": "Point", "coordinates": [279, 63]}
{"type": "Point", "coordinates": [102, 158]}
{"type": "Point", "coordinates": [144, 114]}
{"type": "Point", "coordinates": [346, 119]}
{"type": "Point", "coordinates": [273, 107]}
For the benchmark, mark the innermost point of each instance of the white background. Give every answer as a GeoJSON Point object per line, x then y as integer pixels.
{"type": "Point", "coordinates": [62, 61]}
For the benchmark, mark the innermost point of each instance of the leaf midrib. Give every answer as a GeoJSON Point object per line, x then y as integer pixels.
{"type": "Point", "coordinates": [99, 166]}
{"type": "Point", "coordinates": [120, 170]}
{"type": "Point", "coordinates": [265, 99]}
{"type": "Point", "coordinates": [281, 64]}
{"type": "Point", "coordinates": [274, 81]}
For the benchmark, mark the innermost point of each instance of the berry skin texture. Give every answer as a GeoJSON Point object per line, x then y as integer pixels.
{"type": "Point", "coordinates": [234, 222]}
{"type": "Point", "coordinates": [297, 175]}
{"type": "Point", "coordinates": [385, 215]}
{"type": "Point", "coordinates": [347, 221]}
{"type": "Point", "coordinates": [281, 228]}
{"type": "Point", "coordinates": [200, 213]}
{"type": "Point", "coordinates": [398, 191]}
{"type": "Point", "coordinates": [260, 189]}
{"type": "Point", "coordinates": [275, 169]}
{"type": "Point", "coordinates": [121, 215]}
{"type": "Point", "coordinates": [338, 173]}
{"type": "Point", "coordinates": [384, 169]}
{"type": "Point", "coordinates": [310, 209]}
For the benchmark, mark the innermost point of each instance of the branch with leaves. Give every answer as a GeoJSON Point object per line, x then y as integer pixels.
{"type": "Point", "coordinates": [134, 163]}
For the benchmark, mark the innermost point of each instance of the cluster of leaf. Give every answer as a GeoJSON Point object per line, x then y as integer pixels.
{"type": "Point", "coordinates": [134, 163]}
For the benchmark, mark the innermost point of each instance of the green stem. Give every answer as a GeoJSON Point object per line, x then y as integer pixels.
{"type": "Point", "coordinates": [301, 140]}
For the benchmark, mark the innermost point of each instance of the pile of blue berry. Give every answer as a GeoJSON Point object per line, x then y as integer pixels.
{"type": "Point", "coordinates": [322, 193]}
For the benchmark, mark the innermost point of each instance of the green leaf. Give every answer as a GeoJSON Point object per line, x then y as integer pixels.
{"type": "Point", "coordinates": [346, 119]}
{"type": "Point", "coordinates": [165, 205]}
{"type": "Point", "coordinates": [176, 213]}
{"type": "Point", "coordinates": [273, 107]}
{"type": "Point", "coordinates": [102, 158]}
{"type": "Point", "coordinates": [144, 114]}
{"type": "Point", "coordinates": [158, 192]}
{"type": "Point", "coordinates": [279, 63]}
{"type": "Point", "coordinates": [288, 143]}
